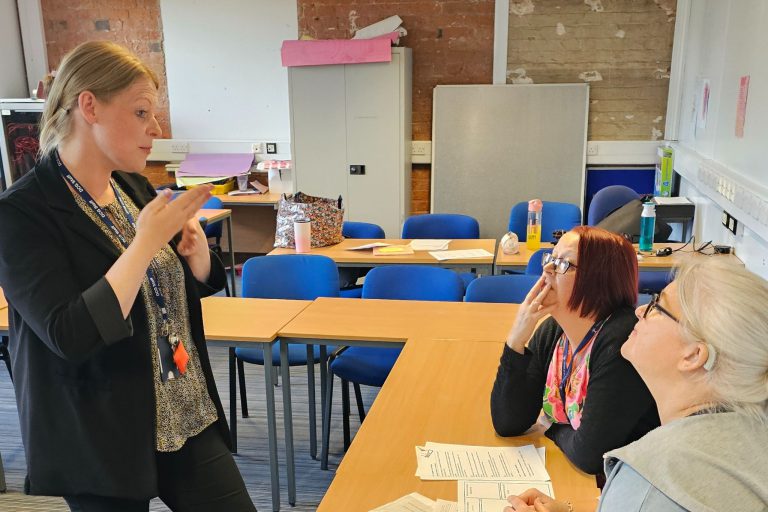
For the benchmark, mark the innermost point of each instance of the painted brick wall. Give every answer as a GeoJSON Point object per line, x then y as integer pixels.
{"type": "Point", "coordinates": [135, 24]}
{"type": "Point", "coordinates": [623, 48]}
{"type": "Point", "coordinates": [452, 42]}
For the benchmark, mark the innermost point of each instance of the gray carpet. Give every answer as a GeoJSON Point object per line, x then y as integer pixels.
{"type": "Point", "coordinates": [311, 482]}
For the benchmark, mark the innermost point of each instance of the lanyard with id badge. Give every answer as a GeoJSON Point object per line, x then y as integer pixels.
{"type": "Point", "coordinates": [172, 355]}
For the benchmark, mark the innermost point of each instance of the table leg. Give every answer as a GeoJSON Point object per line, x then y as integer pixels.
{"type": "Point", "coordinates": [271, 425]}
{"type": "Point", "coordinates": [233, 398]}
{"type": "Point", "coordinates": [2, 477]}
{"type": "Point", "coordinates": [288, 421]}
{"type": "Point", "coordinates": [312, 408]}
{"type": "Point", "coordinates": [231, 255]}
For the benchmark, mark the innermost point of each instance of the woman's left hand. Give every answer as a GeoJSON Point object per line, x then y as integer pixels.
{"type": "Point", "coordinates": [534, 500]}
{"type": "Point", "coordinates": [194, 247]}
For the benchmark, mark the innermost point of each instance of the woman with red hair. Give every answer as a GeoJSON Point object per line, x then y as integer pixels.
{"type": "Point", "coordinates": [569, 374]}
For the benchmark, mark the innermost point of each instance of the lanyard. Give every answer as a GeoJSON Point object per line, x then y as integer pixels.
{"type": "Point", "coordinates": [156, 292]}
{"type": "Point", "coordinates": [567, 366]}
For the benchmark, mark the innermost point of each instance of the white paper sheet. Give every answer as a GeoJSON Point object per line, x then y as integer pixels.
{"type": "Point", "coordinates": [413, 502]}
{"type": "Point", "coordinates": [487, 496]}
{"type": "Point", "coordinates": [446, 506]}
{"type": "Point", "coordinates": [436, 461]}
{"type": "Point", "coordinates": [460, 254]}
{"type": "Point", "coordinates": [671, 200]}
{"type": "Point", "coordinates": [430, 245]}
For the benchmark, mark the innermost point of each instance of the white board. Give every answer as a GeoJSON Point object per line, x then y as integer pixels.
{"type": "Point", "coordinates": [497, 145]}
{"type": "Point", "coordinates": [222, 58]}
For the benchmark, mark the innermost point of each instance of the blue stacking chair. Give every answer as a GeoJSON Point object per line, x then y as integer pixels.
{"type": "Point", "coordinates": [357, 230]}
{"type": "Point", "coordinates": [443, 225]}
{"type": "Point", "coordinates": [296, 277]}
{"type": "Point", "coordinates": [371, 366]}
{"type": "Point", "coordinates": [213, 231]}
{"type": "Point", "coordinates": [534, 267]}
{"type": "Point", "coordinates": [510, 288]}
{"type": "Point", "coordinates": [554, 216]}
{"type": "Point", "coordinates": [609, 199]}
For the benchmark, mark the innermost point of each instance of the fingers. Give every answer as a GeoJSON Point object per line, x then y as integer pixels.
{"type": "Point", "coordinates": [518, 505]}
{"type": "Point", "coordinates": [191, 201]}
{"type": "Point", "coordinates": [539, 506]}
{"type": "Point", "coordinates": [534, 290]}
{"type": "Point", "coordinates": [531, 494]}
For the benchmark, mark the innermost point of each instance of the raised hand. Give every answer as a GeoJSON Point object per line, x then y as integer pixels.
{"type": "Point", "coordinates": [162, 218]}
{"type": "Point", "coordinates": [528, 315]}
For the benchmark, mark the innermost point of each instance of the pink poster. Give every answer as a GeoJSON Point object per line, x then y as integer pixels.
{"type": "Point", "coordinates": [741, 106]}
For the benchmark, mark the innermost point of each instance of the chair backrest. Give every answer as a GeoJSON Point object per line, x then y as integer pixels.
{"type": "Point", "coordinates": [554, 215]}
{"type": "Point", "coordinates": [607, 200]}
{"type": "Point", "coordinates": [361, 230]}
{"type": "Point", "coordinates": [441, 225]}
{"type": "Point", "coordinates": [413, 282]}
{"type": "Point", "coordinates": [534, 267]}
{"type": "Point", "coordinates": [509, 288]}
{"type": "Point", "coordinates": [213, 230]}
{"type": "Point", "coordinates": [290, 276]}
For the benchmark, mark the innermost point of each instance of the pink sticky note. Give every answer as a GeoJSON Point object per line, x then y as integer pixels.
{"type": "Point", "coordinates": [741, 106]}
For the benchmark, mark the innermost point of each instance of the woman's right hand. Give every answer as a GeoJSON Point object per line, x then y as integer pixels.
{"type": "Point", "coordinates": [162, 218]}
{"type": "Point", "coordinates": [533, 500]}
{"type": "Point", "coordinates": [528, 315]}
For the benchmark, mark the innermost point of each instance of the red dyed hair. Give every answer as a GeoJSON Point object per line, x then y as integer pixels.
{"type": "Point", "coordinates": [606, 278]}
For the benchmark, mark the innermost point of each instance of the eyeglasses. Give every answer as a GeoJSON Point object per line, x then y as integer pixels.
{"type": "Point", "coordinates": [561, 265]}
{"type": "Point", "coordinates": [654, 304]}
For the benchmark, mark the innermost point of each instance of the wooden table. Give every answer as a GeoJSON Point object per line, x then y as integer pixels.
{"type": "Point", "coordinates": [251, 323]}
{"type": "Point", "coordinates": [388, 323]}
{"type": "Point", "coordinates": [649, 262]}
{"type": "Point", "coordinates": [253, 221]}
{"type": "Point", "coordinates": [343, 257]}
{"type": "Point", "coordinates": [212, 215]}
{"type": "Point", "coordinates": [443, 398]}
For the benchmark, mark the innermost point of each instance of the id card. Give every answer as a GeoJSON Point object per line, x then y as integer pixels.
{"type": "Point", "coordinates": [168, 369]}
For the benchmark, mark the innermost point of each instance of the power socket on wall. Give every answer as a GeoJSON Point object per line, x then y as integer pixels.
{"type": "Point", "coordinates": [729, 222]}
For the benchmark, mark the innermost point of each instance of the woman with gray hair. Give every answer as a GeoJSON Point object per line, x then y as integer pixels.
{"type": "Point", "coordinates": [701, 346]}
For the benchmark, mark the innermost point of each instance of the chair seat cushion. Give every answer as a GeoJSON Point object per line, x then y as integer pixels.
{"type": "Point", "coordinates": [369, 366]}
{"type": "Point", "coordinates": [467, 277]}
{"type": "Point", "coordinates": [297, 354]}
{"type": "Point", "coordinates": [351, 293]}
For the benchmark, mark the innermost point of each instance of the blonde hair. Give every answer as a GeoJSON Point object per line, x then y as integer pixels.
{"type": "Point", "coordinates": [726, 306]}
{"type": "Point", "coordinates": [101, 67]}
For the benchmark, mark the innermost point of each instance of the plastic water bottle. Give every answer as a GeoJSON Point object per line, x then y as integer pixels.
{"type": "Point", "coordinates": [647, 227]}
{"type": "Point", "coordinates": [533, 231]}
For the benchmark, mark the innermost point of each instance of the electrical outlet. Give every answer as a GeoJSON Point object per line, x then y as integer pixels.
{"type": "Point", "coordinates": [180, 147]}
{"type": "Point", "coordinates": [419, 147]}
{"type": "Point", "coordinates": [729, 222]}
{"type": "Point", "coordinates": [256, 147]}
{"type": "Point", "coordinates": [271, 148]}
{"type": "Point", "coordinates": [593, 149]}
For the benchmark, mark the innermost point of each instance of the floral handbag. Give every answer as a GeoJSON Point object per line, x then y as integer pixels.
{"type": "Point", "coordinates": [326, 217]}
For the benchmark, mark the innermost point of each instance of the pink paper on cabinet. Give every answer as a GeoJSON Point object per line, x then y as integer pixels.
{"type": "Point", "coordinates": [336, 51]}
{"type": "Point", "coordinates": [741, 106]}
{"type": "Point", "coordinates": [215, 164]}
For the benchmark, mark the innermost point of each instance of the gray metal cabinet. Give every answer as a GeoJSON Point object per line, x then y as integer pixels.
{"type": "Point", "coordinates": [355, 114]}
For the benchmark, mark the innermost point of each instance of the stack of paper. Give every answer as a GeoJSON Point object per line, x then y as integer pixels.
{"type": "Point", "coordinates": [478, 495]}
{"type": "Point", "coordinates": [460, 254]}
{"type": "Point", "coordinates": [367, 246]}
{"type": "Point", "coordinates": [415, 502]}
{"type": "Point", "coordinates": [429, 245]}
{"type": "Point", "coordinates": [437, 461]}
{"type": "Point", "coordinates": [392, 250]}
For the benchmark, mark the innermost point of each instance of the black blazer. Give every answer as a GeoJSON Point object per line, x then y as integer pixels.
{"type": "Point", "coordinates": [83, 374]}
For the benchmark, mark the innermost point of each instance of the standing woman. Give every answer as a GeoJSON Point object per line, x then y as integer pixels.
{"type": "Point", "coordinates": [570, 369]}
{"type": "Point", "coordinates": [116, 398]}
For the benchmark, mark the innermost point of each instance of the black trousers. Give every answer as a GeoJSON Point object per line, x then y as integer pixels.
{"type": "Point", "coordinates": [201, 477]}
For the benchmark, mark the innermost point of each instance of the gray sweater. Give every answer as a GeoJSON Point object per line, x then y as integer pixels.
{"type": "Point", "coordinates": [708, 462]}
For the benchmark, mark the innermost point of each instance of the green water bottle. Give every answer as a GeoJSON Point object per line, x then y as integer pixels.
{"type": "Point", "coordinates": [647, 227]}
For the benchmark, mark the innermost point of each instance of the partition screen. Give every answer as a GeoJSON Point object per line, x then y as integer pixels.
{"type": "Point", "coordinates": [497, 145]}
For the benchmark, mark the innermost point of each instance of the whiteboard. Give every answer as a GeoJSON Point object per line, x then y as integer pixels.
{"type": "Point", "coordinates": [497, 145]}
{"type": "Point", "coordinates": [222, 59]}
{"type": "Point", "coordinates": [725, 40]}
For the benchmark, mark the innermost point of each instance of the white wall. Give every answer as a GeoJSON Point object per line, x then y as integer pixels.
{"type": "Point", "coordinates": [225, 80]}
{"type": "Point", "coordinates": [13, 78]}
{"type": "Point", "coordinates": [724, 40]}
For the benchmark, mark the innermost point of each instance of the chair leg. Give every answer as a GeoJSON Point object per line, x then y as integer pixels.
{"type": "Point", "coordinates": [311, 401]}
{"type": "Point", "coordinates": [359, 399]}
{"type": "Point", "coordinates": [241, 378]}
{"type": "Point", "coordinates": [345, 412]}
{"type": "Point", "coordinates": [327, 422]}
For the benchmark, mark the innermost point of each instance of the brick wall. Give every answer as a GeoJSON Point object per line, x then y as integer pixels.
{"type": "Point", "coordinates": [623, 48]}
{"type": "Point", "coordinates": [452, 42]}
{"type": "Point", "coordinates": [135, 24]}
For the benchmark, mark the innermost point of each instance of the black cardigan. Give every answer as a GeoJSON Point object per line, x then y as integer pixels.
{"type": "Point", "coordinates": [83, 374]}
{"type": "Point", "coordinates": [618, 408]}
